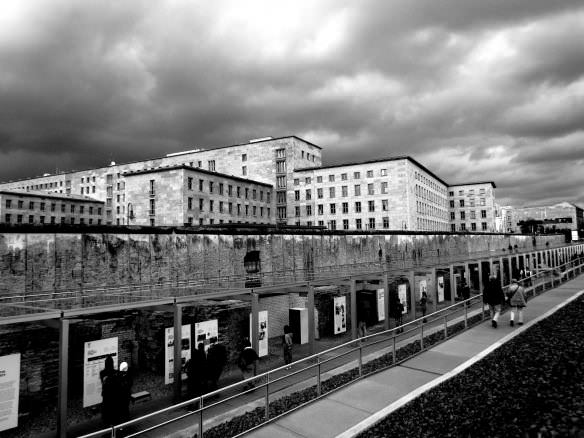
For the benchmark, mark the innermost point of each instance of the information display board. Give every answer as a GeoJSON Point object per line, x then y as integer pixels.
{"type": "Point", "coordinates": [185, 353]}
{"type": "Point", "coordinates": [94, 356]}
{"type": "Point", "coordinates": [204, 331]}
{"type": "Point", "coordinates": [9, 390]}
{"type": "Point", "coordinates": [403, 296]}
{"type": "Point", "coordinates": [380, 305]}
{"type": "Point", "coordinates": [340, 314]}
{"type": "Point", "coordinates": [440, 288]}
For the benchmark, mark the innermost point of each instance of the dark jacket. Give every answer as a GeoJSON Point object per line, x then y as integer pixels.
{"type": "Point", "coordinates": [493, 293]}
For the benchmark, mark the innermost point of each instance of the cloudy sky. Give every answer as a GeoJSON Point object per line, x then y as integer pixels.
{"type": "Point", "coordinates": [474, 89]}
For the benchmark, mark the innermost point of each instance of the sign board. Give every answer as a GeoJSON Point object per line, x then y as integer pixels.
{"type": "Point", "coordinates": [380, 305]}
{"type": "Point", "coordinates": [423, 287]}
{"type": "Point", "coordinates": [9, 390]}
{"type": "Point", "coordinates": [94, 356]}
{"type": "Point", "coordinates": [440, 288]}
{"type": "Point", "coordinates": [575, 235]}
{"type": "Point", "coordinates": [403, 296]}
{"type": "Point", "coordinates": [262, 332]}
{"type": "Point", "coordinates": [185, 353]}
{"type": "Point", "coordinates": [340, 314]}
{"type": "Point", "coordinates": [204, 331]}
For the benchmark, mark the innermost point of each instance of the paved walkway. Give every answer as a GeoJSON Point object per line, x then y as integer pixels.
{"type": "Point", "coordinates": [356, 407]}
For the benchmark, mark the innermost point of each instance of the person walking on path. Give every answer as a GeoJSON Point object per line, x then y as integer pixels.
{"type": "Point", "coordinates": [517, 301]}
{"type": "Point", "coordinates": [287, 345]}
{"type": "Point", "coordinates": [197, 372]}
{"type": "Point", "coordinates": [248, 362]}
{"type": "Point", "coordinates": [124, 392]}
{"type": "Point", "coordinates": [108, 395]}
{"type": "Point", "coordinates": [424, 305]}
{"type": "Point", "coordinates": [494, 297]}
{"type": "Point", "coordinates": [216, 360]}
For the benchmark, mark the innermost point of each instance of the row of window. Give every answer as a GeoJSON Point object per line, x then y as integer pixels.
{"type": "Point", "coordinates": [370, 224]}
{"type": "Point", "coordinates": [8, 218]}
{"type": "Point", "coordinates": [473, 227]}
{"type": "Point", "coordinates": [332, 191]}
{"type": "Point", "coordinates": [428, 195]}
{"type": "Point", "coordinates": [212, 187]}
{"type": "Point", "coordinates": [472, 215]}
{"type": "Point", "coordinates": [20, 204]}
{"type": "Point", "coordinates": [470, 192]}
{"type": "Point", "coordinates": [430, 182]}
{"type": "Point", "coordinates": [221, 207]}
{"type": "Point", "coordinates": [343, 176]}
{"type": "Point", "coordinates": [429, 210]}
{"type": "Point", "coordinates": [482, 202]}
{"type": "Point", "coordinates": [344, 208]}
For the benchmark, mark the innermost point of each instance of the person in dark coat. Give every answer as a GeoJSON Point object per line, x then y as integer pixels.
{"type": "Point", "coordinates": [424, 305]}
{"type": "Point", "coordinates": [197, 372]}
{"type": "Point", "coordinates": [124, 391]}
{"type": "Point", "coordinates": [287, 343]}
{"type": "Point", "coordinates": [247, 362]}
{"type": "Point", "coordinates": [108, 391]}
{"type": "Point", "coordinates": [494, 297]}
{"type": "Point", "coordinates": [216, 360]}
{"type": "Point", "coordinates": [464, 290]}
{"type": "Point", "coordinates": [396, 309]}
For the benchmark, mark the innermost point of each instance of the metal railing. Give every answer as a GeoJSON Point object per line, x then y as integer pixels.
{"type": "Point", "coordinates": [329, 370]}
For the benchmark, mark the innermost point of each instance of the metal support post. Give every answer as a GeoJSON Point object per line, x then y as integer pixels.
{"type": "Point", "coordinates": [502, 271]}
{"type": "Point", "coordinates": [481, 277]}
{"type": "Point", "coordinates": [433, 292]}
{"type": "Point", "coordinates": [63, 378]}
{"type": "Point", "coordinates": [510, 263]}
{"type": "Point", "coordinates": [353, 308]}
{"type": "Point", "coordinates": [255, 331]}
{"type": "Point", "coordinates": [310, 304]}
{"type": "Point", "coordinates": [177, 369]}
{"type": "Point", "coordinates": [386, 300]}
{"type": "Point", "coordinates": [412, 281]}
{"type": "Point", "coordinates": [452, 284]}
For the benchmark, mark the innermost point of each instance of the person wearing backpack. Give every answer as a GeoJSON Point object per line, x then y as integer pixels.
{"type": "Point", "coordinates": [517, 301]}
{"type": "Point", "coordinates": [494, 297]}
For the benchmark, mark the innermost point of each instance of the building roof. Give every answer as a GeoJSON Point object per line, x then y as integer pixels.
{"type": "Point", "coordinates": [263, 140]}
{"type": "Point", "coordinates": [76, 198]}
{"type": "Point", "coordinates": [379, 160]}
{"type": "Point", "coordinates": [474, 184]}
{"type": "Point", "coordinates": [559, 204]}
{"type": "Point", "coordinates": [196, 169]}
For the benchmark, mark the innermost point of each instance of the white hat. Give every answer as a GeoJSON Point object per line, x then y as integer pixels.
{"type": "Point", "coordinates": [124, 366]}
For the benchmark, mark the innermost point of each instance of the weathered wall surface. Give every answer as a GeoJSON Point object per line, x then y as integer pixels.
{"type": "Point", "coordinates": [34, 263]}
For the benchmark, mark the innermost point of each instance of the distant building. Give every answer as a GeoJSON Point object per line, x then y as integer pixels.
{"type": "Point", "coordinates": [504, 219]}
{"type": "Point", "coordinates": [472, 207]}
{"type": "Point", "coordinates": [184, 195]}
{"type": "Point", "coordinates": [21, 207]}
{"type": "Point", "coordinates": [546, 218]}
{"type": "Point", "coordinates": [394, 193]}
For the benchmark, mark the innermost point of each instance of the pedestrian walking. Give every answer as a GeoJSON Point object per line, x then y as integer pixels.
{"type": "Point", "coordinates": [517, 301]}
{"type": "Point", "coordinates": [197, 372]}
{"type": "Point", "coordinates": [124, 392]}
{"type": "Point", "coordinates": [108, 396]}
{"type": "Point", "coordinates": [247, 362]}
{"type": "Point", "coordinates": [216, 360]}
{"type": "Point", "coordinates": [494, 297]}
{"type": "Point", "coordinates": [424, 305]}
{"type": "Point", "coordinates": [287, 342]}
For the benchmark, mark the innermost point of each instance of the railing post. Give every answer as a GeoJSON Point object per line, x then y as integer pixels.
{"type": "Point", "coordinates": [267, 397]}
{"type": "Point", "coordinates": [201, 416]}
{"type": "Point", "coordinates": [422, 336]}
{"type": "Point", "coordinates": [394, 358]}
{"type": "Point", "coordinates": [360, 359]}
{"type": "Point", "coordinates": [318, 384]}
{"type": "Point", "coordinates": [445, 328]}
{"type": "Point", "coordinates": [465, 314]}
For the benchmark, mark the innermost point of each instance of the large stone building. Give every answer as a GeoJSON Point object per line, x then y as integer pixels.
{"type": "Point", "coordinates": [391, 193]}
{"type": "Point", "coordinates": [472, 206]}
{"type": "Point", "coordinates": [191, 196]}
{"type": "Point", "coordinates": [545, 218]}
{"type": "Point", "coordinates": [396, 193]}
{"type": "Point", "coordinates": [21, 207]}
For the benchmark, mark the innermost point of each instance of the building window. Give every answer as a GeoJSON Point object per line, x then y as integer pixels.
{"type": "Point", "coordinates": [453, 227]}
{"type": "Point", "coordinates": [30, 219]}
{"type": "Point", "coordinates": [483, 202]}
{"type": "Point", "coordinates": [333, 225]}
{"type": "Point", "coordinates": [463, 227]}
{"type": "Point", "coordinates": [460, 192]}
{"type": "Point", "coordinates": [383, 172]}
{"type": "Point", "coordinates": [452, 215]}
{"type": "Point", "coordinates": [473, 226]}
{"type": "Point", "coordinates": [42, 206]}
{"type": "Point", "coordinates": [358, 224]}
{"type": "Point", "coordinates": [296, 181]}
{"type": "Point", "coordinates": [211, 203]}
{"type": "Point", "coordinates": [331, 178]}
{"type": "Point", "coordinates": [483, 214]}
{"type": "Point", "coordinates": [152, 211]}
{"type": "Point", "coordinates": [230, 190]}
{"type": "Point", "coordinates": [345, 191]}
{"type": "Point", "coordinates": [357, 190]}
{"type": "Point", "coordinates": [210, 186]}
{"type": "Point", "coordinates": [243, 157]}
{"type": "Point", "coordinates": [385, 205]}
{"type": "Point", "coordinates": [21, 205]}
{"type": "Point", "coordinates": [451, 204]}
{"type": "Point", "coordinates": [297, 211]}
{"type": "Point", "coordinates": [281, 212]}
{"type": "Point", "coordinates": [280, 167]}
{"type": "Point", "coordinates": [7, 218]}
{"type": "Point", "coordinates": [356, 175]}
{"type": "Point", "coordinates": [333, 208]}
{"type": "Point", "coordinates": [211, 165]}
{"type": "Point", "coordinates": [319, 179]}
{"type": "Point", "coordinates": [281, 153]}
{"type": "Point", "coordinates": [462, 216]}
{"type": "Point", "coordinates": [385, 222]}
{"type": "Point", "coordinates": [343, 177]}
{"type": "Point", "coordinates": [297, 195]}
{"type": "Point", "coordinates": [369, 174]}
{"type": "Point", "coordinates": [31, 205]}
{"type": "Point", "coordinates": [308, 180]}
{"type": "Point", "coordinates": [19, 219]}
{"type": "Point", "coordinates": [484, 226]}
{"type": "Point", "coordinates": [72, 209]}
{"type": "Point", "coordinates": [281, 182]}
{"type": "Point", "coordinates": [384, 187]}
{"type": "Point", "coordinates": [190, 183]}
{"type": "Point", "coordinates": [308, 194]}
{"type": "Point", "coordinates": [309, 210]}
{"type": "Point", "coordinates": [220, 206]}
{"type": "Point", "coordinates": [371, 223]}
{"type": "Point", "coordinates": [319, 193]}
{"type": "Point", "coordinates": [370, 190]}
{"type": "Point", "coordinates": [358, 207]}
{"type": "Point", "coordinates": [200, 185]}
{"type": "Point", "coordinates": [244, 170]}
{"type": "Point", "coordinates": [371, 205]}
{"type": "Point", "coordinates": [472, 214]}
{"type": "Point", "coordinates": [450, 193]}
{"type": "Point", "coordinates": [201, 204]}
{"type": "Point", "coordinates": [320, 209]}
{"type": "Point", "coordinates": [331, 192]}
{"type": "Point", "coordinates": [345, 224]}
{"type": "Point", "coordinates": [345, 207]}
{"type": "Point", "coordinates": [461, 202]}
{"type": "Point", "coordinates": [280, 197]}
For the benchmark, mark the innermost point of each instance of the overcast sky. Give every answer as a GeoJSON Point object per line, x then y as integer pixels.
{"type": "Point", "coordinates": [473, 89]}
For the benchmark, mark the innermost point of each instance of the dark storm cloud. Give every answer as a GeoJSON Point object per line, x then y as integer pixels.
{"type": "Point", "coordinates": [473, 89]}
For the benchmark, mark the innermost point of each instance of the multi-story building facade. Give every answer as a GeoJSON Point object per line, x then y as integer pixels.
{"type": "Point", "coordinates": [21, 207]}
{"type": "Point", "coordinates": [472, 207]}
{"type": "Point", "coordinates": [187, 195]}
{"type": "Point", "coordinates": [561, 216]}
{"type": "Point", "coordinates": [395, 193]}
{"type": "Point", "coordinates": [268, 160]}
